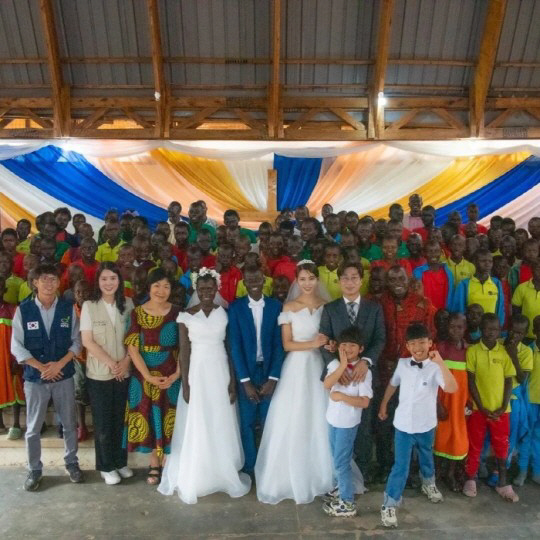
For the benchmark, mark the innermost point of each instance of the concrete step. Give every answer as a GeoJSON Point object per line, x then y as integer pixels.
{"type": "Point", "coordinates": [13, 453]}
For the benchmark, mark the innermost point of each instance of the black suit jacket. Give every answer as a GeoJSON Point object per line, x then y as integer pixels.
{"type": "Point", "coordinates": [369, 319]}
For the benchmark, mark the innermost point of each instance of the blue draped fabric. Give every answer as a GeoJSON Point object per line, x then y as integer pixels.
{"type": "Point", "coordinates": [70, 178]}
{"type": "Point", "coordinates": [296, 178]}
{"type": "Point", "coordinates": [496, 194]}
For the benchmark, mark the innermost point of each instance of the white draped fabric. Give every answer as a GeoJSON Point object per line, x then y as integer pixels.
{"type": "Point", "coordinates": [520, 210]}
{"type": "Point", "coordinates": [395, 174]}
{"type": "Point", "coordinates": [33, 199]}
{"type": "Point", "coordinates": [251, 175]}
{"type": "Point", "coordinates": [242, 150]}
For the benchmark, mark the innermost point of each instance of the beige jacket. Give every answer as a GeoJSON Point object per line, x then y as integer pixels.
{"type": "Point", "coordinates": [108, 336]}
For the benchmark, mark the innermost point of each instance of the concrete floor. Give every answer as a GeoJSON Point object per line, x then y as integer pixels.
{"type": "Point", "coordinates": [134, 510]}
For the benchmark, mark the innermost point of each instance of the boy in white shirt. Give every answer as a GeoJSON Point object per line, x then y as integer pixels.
{"type": "Point", "coordinates": [419, 378]}
{"type": "Point", "coordinates": [344, 414]}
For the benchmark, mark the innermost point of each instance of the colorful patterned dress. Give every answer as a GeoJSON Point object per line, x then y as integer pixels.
{"type": "Point", "coordinates": [150, 412]}
{"type": "Point", "coordinates": [11, 388]}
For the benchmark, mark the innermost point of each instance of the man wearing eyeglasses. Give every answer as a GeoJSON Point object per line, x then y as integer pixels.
{"type": "Point", "coordinates": [353, 310]}
{"type": "Point", "coordinates": [45, 339]}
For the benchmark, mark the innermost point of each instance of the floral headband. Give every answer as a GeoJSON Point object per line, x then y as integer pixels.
{"type": "Point", "coordinates": [204, 271]}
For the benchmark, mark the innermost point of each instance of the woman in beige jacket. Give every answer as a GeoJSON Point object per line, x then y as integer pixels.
{"type": "Point", "coordinates": [104, 321]}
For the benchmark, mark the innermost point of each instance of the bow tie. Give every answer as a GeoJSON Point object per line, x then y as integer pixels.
{"type": "Point", "coordinates": [417, 364]}
{"type": "Point", "coordinates": [351, 366]}
{"type": "Point", "coordinates": [256, 303]}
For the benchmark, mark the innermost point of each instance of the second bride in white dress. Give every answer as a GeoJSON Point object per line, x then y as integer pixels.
{"type": "Point", "coordinates": [206, 450]}
{"type": "Point", "coordinates": [294, 459]}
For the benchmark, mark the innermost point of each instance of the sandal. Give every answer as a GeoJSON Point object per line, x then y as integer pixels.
{"type": "Point", "coordinates": [153, 479]}
{"type": "Point", "coordinates": [469, 489]}
{"type": "Point", "coordinates": [507, 493]}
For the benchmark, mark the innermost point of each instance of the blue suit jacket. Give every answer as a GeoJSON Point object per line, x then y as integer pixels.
{"type": "Point", "coordinates": [243, 338]}
{"type": "Point", "coordinates": [418, 272]}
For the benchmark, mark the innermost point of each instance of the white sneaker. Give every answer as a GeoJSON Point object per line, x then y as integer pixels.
{"type": "Point", "coordinates": [388, 516]}
{"type": "Point", "coordinates": [125, 472]}
{"type": "Point", "coordinates": [432, 493]}
{"type": "Point", "coordinates": [111, 478]}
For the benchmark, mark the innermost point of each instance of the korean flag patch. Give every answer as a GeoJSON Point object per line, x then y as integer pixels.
{"type": "Point", "coordinates": [32, 325]}
{"type": "Point", "coordinates": [64, 323]}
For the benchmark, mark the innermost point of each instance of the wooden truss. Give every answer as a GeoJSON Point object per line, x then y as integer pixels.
{"type": "Point", "coordinates": [271, 112]}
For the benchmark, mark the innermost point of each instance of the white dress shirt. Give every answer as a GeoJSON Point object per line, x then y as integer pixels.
{"type": "Point", "coordinates": [257, 307]}
{"type": "Point", "coordinates": [340, 414]}
{"type": "Point", "coordinates": [418, 388]}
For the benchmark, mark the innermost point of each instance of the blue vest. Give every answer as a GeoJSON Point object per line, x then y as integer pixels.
{"type": "Point", "coordinates": [47, 348]}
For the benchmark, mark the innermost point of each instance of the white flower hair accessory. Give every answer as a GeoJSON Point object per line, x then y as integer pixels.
{"type": "Point", "coordinates": [305, 261]}
{"type": "Point", "coordinates": [204, 271]}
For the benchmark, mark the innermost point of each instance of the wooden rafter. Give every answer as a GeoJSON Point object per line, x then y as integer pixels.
{"type": "Point", "coordinates": [376, 108]}
{"type": "Point", "coordinates": [275, 127]}
{"type": "Point", "coordinates": [162, 94]}
{"type": "Point", "coordinates": [60, 93]}
{"type": "Point", "coordinates": [485, 64]}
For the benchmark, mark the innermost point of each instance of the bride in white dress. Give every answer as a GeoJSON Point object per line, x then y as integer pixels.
{"type": "Point", "coordinates": [294, 459]}
{"type": "Point", "coordinates": [206, 450]}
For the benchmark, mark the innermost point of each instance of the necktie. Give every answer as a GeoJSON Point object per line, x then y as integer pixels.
{"type": "Point", "coordinates": [351, 308]}
{"type": "Point", "coordinates": [419, 365]}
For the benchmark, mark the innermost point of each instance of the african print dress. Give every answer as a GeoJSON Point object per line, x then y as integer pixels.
{"type": "Point", "coordinates": [150, 412]}
{"type": "Point", "coordinates": [11, 388]}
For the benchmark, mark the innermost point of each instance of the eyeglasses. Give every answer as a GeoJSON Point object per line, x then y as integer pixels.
{"type": "Point", "coordinates": [352, 279]}
{"type": "Point", "coordinates": [48, 279]}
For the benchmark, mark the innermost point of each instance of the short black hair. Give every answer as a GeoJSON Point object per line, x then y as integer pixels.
{"type": "Point", "coordinates": [519, 318]}
{"type": "Point", "coordinates": [352, 334]}
{"type": "Point", "coordinates": [63, 210]}
{"type": "Point", "coordinates": [8, 232]}
{"type": "Point", "coordinates": [45, 269]}
{"type": "Point", "coordinates": [158, 274]}
{"type": "Point", "coordinates": [345, 265]}
{"type": "Point", "coordinates": [231, 212]}
{"type": "Point", "coordinates": [488, 318]}
{"type": "Point", "coordinates": [416, 330]}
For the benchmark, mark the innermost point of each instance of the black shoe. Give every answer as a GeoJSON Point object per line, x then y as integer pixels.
{"type": "Point", "coordinates": [32, 481]}
{"type": "Point", "coordinates": [75, 473]}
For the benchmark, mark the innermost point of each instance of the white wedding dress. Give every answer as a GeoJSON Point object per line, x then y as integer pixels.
{"type": "Point", "coordinates": [294, 460]}
{"type": "Point", "coordinates": [206, 450]}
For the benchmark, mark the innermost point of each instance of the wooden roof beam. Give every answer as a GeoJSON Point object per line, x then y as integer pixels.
{"type": "Point", "coordinates": [162, 124]}
{"type": "Point", "coordinates": [60, 92]}
{"type": "Point", "coordinates": [376, 107]}
{"type": "Point", "coordinates": [275, 124]}
{"type": "Point", "coordinates": [485, 65]}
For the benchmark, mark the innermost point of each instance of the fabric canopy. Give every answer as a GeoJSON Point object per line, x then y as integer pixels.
{"type": "Point", "coordinates": [296, 178]}
{"type": "Point", "coordinates": [71, 179]}
{"type": "Point", "coordinates": [365, 177]}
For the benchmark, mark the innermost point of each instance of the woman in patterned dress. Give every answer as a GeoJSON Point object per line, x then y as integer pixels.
{"type": "Point", "coordinates": [152, 342]}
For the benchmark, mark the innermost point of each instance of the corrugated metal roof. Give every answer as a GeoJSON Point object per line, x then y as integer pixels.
{"type": "Point", "coordinates": [520, 42]}
{"type": "Point", "coordinates": [439, 30]}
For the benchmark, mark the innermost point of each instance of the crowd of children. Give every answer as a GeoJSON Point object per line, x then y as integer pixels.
{"type": "Point", "coordinates": [467, 391]}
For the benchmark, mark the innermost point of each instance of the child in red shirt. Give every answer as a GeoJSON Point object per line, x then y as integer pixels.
{"type": "Point", "coordinates": [230, 274]}
{"type": "Point", "coordinates": [436, 278]}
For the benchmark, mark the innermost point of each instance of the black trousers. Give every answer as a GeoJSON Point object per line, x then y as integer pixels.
{"type": "Point", "coordinates": [108, 403]}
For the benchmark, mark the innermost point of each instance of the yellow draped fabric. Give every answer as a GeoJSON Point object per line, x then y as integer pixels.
{"type": "Point", "coordinates": [155, 180]}
{"type": "Point", "coordinates": [12, 212]}
{"type": "Point", "coordinates": [208, 175]}
{"type": "Point", "coordinates": [462, 177]}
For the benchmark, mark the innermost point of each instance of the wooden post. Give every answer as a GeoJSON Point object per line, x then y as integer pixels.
{"type": "Point", "coordinates": [60, 93]}
{"type": "Point", "coordinates": [162, 97]}
{"type": "Point", "coordinates": [271, 204]}
{"type": "Point", "coordinates": [376, 108]}
{"type": "Point", "coordinates": [486, 64]}
{"type": "Point", "coordinates": [275, 125]}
